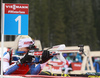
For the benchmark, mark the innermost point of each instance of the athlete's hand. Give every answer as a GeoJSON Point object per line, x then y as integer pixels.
{"type": "Point", "coordinates": [26, 59]}
{"type": "Point", "coordinates": [45, 56]}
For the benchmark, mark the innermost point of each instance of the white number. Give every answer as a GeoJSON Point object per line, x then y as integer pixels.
{"type": "Point", "coordinates": [19, 24]}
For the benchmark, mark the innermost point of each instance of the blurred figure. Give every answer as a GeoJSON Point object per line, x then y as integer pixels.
{"type": "Point", "coordinates": [78, 57]}
{"type": "Point", "coordinates": [96, 64]}
{"type": "Point", "coordinates": [66, 67]}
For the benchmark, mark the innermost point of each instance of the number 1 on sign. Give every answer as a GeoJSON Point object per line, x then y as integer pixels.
{"type": "Point", "coordinates": [19, 24]}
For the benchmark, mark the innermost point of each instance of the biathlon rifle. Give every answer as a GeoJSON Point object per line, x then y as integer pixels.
{"type": "Point", "coordinates": [56, 53]}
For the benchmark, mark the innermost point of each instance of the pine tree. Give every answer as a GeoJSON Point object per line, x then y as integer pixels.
{"type": "Point", "coordinates": [96, 11]}
{"type": "Point", "coordinates": [79, 23]}
{"type": "Point", "coordinates": [44, 32]}
{"type": "Point", "coordinates": [56, 22]}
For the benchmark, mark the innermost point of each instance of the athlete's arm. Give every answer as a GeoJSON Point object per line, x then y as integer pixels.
{"type": "Point", "coordinates": [8, 69]}
{"type": "Point", "coordinates": [45, 57]}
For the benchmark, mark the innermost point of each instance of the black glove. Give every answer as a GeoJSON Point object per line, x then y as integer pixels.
{"type": "Point", "coordinates": [46, 56]}
{"type": "Point", "coordinates": [26, 59]}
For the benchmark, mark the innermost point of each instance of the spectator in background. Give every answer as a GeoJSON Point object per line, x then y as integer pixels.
{"type": "Point", "coordinates": [66, 66]}
{"type": "Point", "coordinates": [78, 57]}
{"type": "Point", "coordinates": [68, 59]}
{"type": "Point", "coordinates": [96, 64]}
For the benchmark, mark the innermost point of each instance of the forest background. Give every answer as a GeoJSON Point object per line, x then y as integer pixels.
{"type": "Point", "coordinates": [69, 22]}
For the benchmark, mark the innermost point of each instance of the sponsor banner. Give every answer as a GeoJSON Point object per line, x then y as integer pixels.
{"type": "Point", "coordinates": [16, 8]}
{"type": "Point", "coordinates": [54, 67]}
{"type": "Point", "coordinates": [76, 66]}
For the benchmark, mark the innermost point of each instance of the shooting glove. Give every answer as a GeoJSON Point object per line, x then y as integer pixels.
{"type": "Point", "coordinates": [46, 56]}
{"type": "Point", "coordinates": [26, 59]}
